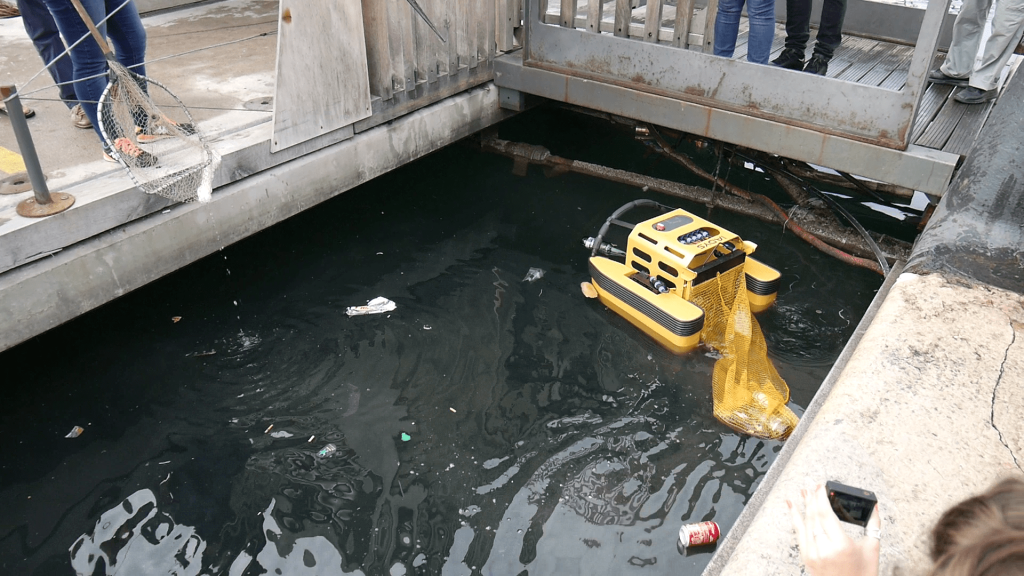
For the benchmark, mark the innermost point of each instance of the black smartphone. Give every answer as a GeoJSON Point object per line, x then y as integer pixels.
{"type": "Point", "coordinates": [853, 505]}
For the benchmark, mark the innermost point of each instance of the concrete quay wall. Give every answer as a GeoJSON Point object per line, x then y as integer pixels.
{"type": "Point", "coordinates": [926, 406]}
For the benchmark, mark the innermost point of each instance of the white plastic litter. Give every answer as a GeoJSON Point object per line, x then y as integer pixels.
{"type": "Point", "coordinates": [75, 432]}
{"type": "Point", "coordinates": [533, 275]}
{"type": "Point", "coordinates": [376, 306]}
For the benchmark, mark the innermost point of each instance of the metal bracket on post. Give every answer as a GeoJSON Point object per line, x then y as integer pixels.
{"type": "Point", "coordinates": [43, 204]}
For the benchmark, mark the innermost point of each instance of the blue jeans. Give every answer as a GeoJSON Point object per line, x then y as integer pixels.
{"type": "Point", "coordinates": [41, 28]}
{"type": "Point", "coordinates": [761, 14]}
{"type": "Point", "coordinates": [125, 32]}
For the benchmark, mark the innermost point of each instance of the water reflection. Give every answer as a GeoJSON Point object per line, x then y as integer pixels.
{"type": "Point", "coordinates": [135, 537]}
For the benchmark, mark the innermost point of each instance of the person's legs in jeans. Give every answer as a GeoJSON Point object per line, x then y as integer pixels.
{"type": "Point", "coordinates": [87, 57]}
{"type": "Point", "coordinates": [966, 38]}
{"type": "Point", "coordinates": [41, 28]}
{"type": "Point", "coordinates": [761, 15]}
{"type": "Point", "coordinates": [127, 35]}
{"type": "Point", "coordinates": [830, 29]}
{"type": "Point", "coordinates": [727, 27]}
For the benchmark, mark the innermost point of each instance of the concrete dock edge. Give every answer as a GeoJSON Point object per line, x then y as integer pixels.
{"type": "Point", "coordinates": [732, 539]}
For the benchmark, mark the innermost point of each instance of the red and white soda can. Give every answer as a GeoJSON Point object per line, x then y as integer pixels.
{"type": "Point", "coordinates": [698, 534]}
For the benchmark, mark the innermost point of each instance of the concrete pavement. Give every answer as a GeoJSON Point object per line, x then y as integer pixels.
{"type": "Point", "coordinates": [925, 409]}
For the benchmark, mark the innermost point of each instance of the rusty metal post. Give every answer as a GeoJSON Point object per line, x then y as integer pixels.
{"type": "Point", "coordinates": [43, 204]}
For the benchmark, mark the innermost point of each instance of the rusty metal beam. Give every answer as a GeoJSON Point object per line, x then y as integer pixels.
{"type": "Point", "coordinates": [916, 167]}
{"type": "Point", "coordinates": [817, 223]}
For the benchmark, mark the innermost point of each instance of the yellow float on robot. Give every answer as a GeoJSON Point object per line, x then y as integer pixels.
{"type": "Point", "coordinates": [666, 261]}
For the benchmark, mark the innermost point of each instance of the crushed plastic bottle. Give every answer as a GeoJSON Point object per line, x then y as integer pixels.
{"type": "Point", "coordinates": [378, 305]}
{"type": "Point", "coordinates": [327, 451]}
{"type": "Point", "coordinates": [533, 274]}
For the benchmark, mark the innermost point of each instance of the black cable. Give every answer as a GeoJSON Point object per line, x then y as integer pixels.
{"type": "Point", "coordinates": [879, 255]}
{"type": "Point", "coordinates": [615, 216]}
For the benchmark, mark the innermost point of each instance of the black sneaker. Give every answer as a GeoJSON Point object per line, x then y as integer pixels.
{"type": "Point", "coordinates": [972, 95]}
{"type": "Point", "coordinates": [937, 77]}
{"type": "Point", "coordinates": [790, 59]}
{"type": "Point", "coordinates": [818, 64]}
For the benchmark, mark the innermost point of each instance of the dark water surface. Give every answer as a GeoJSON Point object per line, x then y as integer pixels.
{"type": "Point", "coordinates": [488, 425]}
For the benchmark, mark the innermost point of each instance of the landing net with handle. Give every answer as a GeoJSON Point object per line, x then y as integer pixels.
{"type": "Point", "coordinates": [151, 133]}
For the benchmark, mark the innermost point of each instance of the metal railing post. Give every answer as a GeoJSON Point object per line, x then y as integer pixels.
{"type": "Point", "coordinates": [43, 204]}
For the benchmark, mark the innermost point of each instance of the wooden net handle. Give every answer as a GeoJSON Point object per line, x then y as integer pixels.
{"type": "Point", "coordinates": [92, 28]}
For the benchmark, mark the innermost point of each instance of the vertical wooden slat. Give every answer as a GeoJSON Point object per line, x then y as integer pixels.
{"type": "Point", "coordinates": [568, 14]}
{"type": "Point", "coordinates": [480, 26]}
{"type": "Point", "coordinates": [408, 44]}
{"type": "Point", "coordinates": [622, 16]}
{"type": "Point", "coordinates": [307, 102]}
{"type": "Point", "coordinates": [378, 53]}
{"type": "Point", "coordinates": [487, 37]}
{"type": "Point", "coordinates": [709, 27]}
{"type": "Point", "coordinates": [594, 9]}
{"type": "Point", "coordinates": [511, 21]}
{"type": "Point", "coordinates": [396, 50]}
{"type": "Point", "coordinates": [452, 30]}
{"type": "Point", "coordinates": [426, 42]}
{"type": "Point", "coordinates": [652, 21]}
{"type": "Point", "coordinates": [462, 20]}
{"type": "Point", "coordinates": [472, 39]}
{"type": "Point", "coordinates": [503, 34]}
{"type": "Point", "coordinates": [684, 14]}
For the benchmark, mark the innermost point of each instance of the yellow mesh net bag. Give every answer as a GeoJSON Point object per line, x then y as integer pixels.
{"type": "Point", "coordinates": [749, 394]}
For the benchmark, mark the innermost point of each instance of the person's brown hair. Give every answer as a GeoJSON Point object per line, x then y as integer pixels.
{"type": "Point", "coordinates": [983, 535]}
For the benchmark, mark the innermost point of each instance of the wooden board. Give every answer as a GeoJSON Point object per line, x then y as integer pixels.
{"type": "Point", "coordinates": [938, 132]}
{"type": "Point", "coordinates": [322, 77]}
{"type": "Point", "coordinates": [934, 96]}
{"type": "Point", "coordinates": [378, 52]}
{"type": "Point", "coordinates": [968, 128]}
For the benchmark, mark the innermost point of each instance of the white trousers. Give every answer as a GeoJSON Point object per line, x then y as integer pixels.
{"type": "Point", "coordinates": [1007, 26]}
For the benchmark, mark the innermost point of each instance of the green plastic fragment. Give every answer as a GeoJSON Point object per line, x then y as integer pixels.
{"type": "Point", "coordinates": [406, 437]}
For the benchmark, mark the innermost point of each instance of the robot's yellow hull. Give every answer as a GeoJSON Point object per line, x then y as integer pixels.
{"type": "Point", "coordinates": [672, 321]}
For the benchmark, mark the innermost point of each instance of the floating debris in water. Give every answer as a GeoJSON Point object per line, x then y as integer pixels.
{"type": "Point", "coordinates": [375, 306]}
{"type": "Point", "coordinates": [311, 438]}
{"type": "Point", "coordinates": [452, 409]}
{"type": "Point", "coordinates": [427, 327]}
{"type": "Point", "coordinates": [533, 275]}
{"type": "Point", "coordinates": [281, 434]}
{"type": "Point", "coordinates": [406, 437]}
{"type": "Point", "coordinates": [714, 354]}
{"type": "Point", "coordinates": [175, 319]}
{"type": "Point", "coordinates": [269, 428]}
{"type": "Point", "coordinates": [327, 451]}
{"type": "Point", "coordinates": [75, 432]}
{"type": "Point", "coordinates": [588, 289]}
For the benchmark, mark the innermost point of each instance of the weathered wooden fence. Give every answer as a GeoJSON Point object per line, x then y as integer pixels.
{"type": "Point", "coordinates": [679, 23]}
{"type": "Point", "coordinates": [410, 55]}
